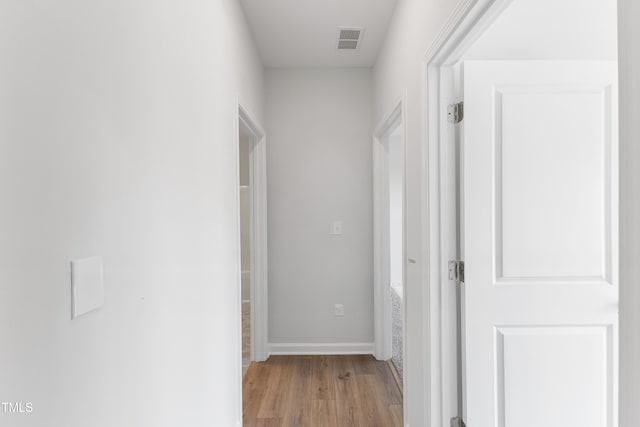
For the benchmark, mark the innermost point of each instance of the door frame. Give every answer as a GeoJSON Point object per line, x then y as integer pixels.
{"type": "Point", "coordinates": [258, 233]}
{"type": "Point", "coordinates": [469, 20]}
{"type": "Point", "coordinates": [381, 253]}
{"type": "Point", "coordinates": [381, 238]}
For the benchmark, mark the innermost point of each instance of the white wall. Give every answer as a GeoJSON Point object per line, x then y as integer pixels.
{"type": "Point", "coordinates": [414, 26]}
{"type": "Point", "coordinates": [117, 138]}
{"type": "Point", "coordinates": [629, 66]}
{"type": "Point", "coordinates": [538, 29]}
{"type": "Point", "coordinates": [319, 131]}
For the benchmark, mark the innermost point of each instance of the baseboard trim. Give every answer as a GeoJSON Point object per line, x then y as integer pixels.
{"type": "Point", "coordinates": [277, 349]}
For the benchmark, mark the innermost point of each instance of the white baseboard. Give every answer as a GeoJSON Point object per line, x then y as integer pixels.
{"type": "Point", "coordinates": [321, 348]}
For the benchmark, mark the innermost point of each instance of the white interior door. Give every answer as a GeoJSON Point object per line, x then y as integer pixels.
{"type": "Point", "coordinates": [540, 244]}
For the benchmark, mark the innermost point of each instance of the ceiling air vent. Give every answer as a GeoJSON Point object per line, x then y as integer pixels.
{"type": "Point", "coordinates": [349, 38]}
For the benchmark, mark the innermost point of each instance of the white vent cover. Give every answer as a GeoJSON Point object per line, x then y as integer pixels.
{"type": "Point", "coordinates": [349, 38]}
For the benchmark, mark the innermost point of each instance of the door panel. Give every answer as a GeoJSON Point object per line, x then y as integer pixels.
{"type": "Point", "coordinates": [537, 370]}
{"type": "Point", "coordinates": [540, 226]}
{"type": "Point", "coordinates": [550, 192]}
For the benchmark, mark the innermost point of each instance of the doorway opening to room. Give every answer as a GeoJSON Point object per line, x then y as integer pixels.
{"type": "Point", "coordinates": [246, 206]}
{"type": "Point", "coordinates": [252, 237]}
{"type": "Point", "coordinates": [389, 240]}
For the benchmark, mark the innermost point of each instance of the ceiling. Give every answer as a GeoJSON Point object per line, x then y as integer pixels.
{"type": "Point", "coordinates": [304, 33]}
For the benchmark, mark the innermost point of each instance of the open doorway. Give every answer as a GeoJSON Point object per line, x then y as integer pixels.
{"type": "Point", "coordinates": [395, 145]}
{"type": "Point", "coordinates": [246, 206]}
{"type": "Point", "coordinates": [252, 238]}
{"type": "Point", "coordinates": [389, 240]}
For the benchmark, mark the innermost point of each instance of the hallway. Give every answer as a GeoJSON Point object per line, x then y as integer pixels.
{"type": "Point", "coordinates": [331, 391]}
{"type": "Point", "coordinates": [120, 267]}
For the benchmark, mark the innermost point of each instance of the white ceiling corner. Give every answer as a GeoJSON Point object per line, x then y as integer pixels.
{"type": "Point", "coordinates": [304, 33]}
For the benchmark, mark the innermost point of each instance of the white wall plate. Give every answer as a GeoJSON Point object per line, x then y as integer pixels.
{"type": "Point", "coordinates": [87, 291]}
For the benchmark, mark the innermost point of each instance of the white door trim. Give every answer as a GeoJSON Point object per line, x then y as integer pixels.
{"type": "Point", "coordinates": [465, 25]}
{"type": "Point", "coordinates": [259, 257]}
{"type": "Point", "coordinates": [258, 220]}
{"type": "Point", "coordinates": [381, 252]}
{"type": "Point", "coordinates": [382, 296]}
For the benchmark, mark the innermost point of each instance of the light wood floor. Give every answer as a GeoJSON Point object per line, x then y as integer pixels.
{"type": "Point", "coordinates": [318, 391]}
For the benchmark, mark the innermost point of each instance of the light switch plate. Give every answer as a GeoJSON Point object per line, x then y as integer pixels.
{"type": "Point", "coordinates": [87, 287]}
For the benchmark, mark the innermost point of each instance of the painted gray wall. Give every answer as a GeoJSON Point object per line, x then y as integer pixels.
{"type": "Point", "coordinates": [319, 127]}
{"type": "Point", "coordinates": [117, 138]}
{"type": "Point", "coordinates": [629, 66]}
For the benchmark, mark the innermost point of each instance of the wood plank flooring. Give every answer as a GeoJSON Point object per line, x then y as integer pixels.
{"type": "Point", "coordinates": [319, 391]}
